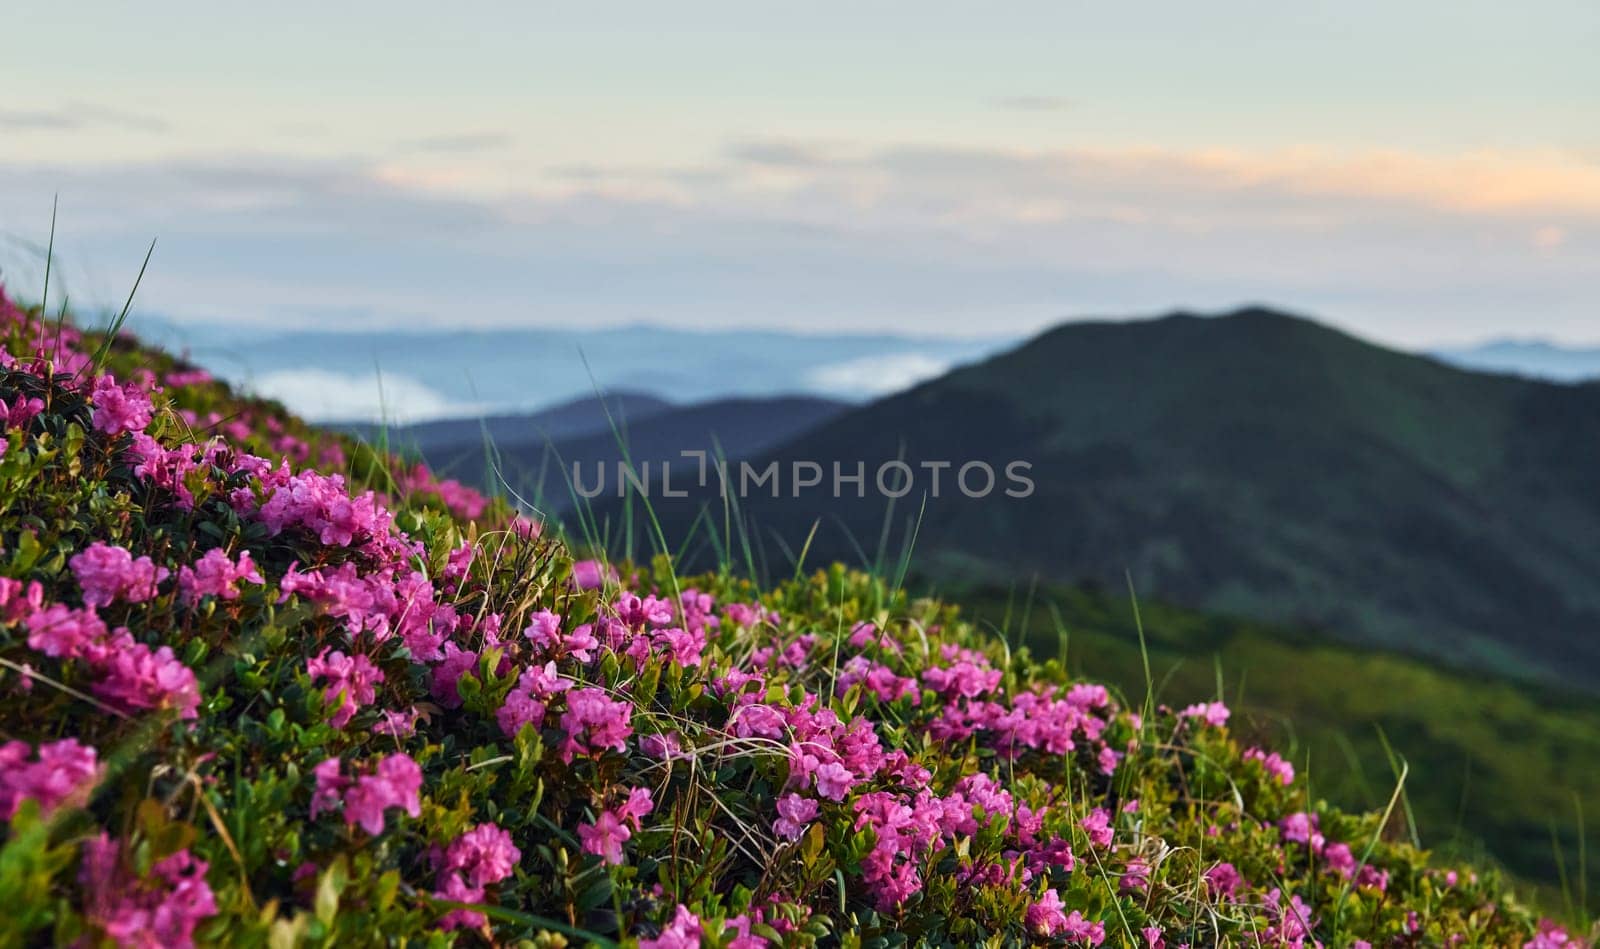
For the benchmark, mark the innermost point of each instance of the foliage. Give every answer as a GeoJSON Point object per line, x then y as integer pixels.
{"type": "Point", "coordinates": [1496, 768]}
{"type": "Point", "coordinates": [251, 703]}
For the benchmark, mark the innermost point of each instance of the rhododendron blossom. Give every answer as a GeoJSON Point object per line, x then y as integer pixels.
{"type": "Point", "coordinates": [481, 857]}
{"type": "Point", "coordinates": [1044, 915]}
{"type": "Point", "coordinates": [61, 774]}
{"type": "Point", "coordinates": [160, 909]}
{"type": "Point", "coordinates": [352, 682]}
{"type": "Point", "coordinates": [1273, 764]}
{"type": "Point", "coordinates": [394, 782]}
{"type": "Point", "coordinates": [794, 813]}
{"type": "Point", "coordinates": [594, 722]}
{"type": "Point", "coordinates": [215, 575]}
{"type": "Point", "coordinates": [108, 574]}
{"type": "Point", "coordinates": [683, 932]}
{"type": "Point", "coordinates": [119, 409]}
{"type": "Point", "coordinates": [1214, 714]}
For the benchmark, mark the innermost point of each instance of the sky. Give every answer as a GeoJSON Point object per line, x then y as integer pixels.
{"type": "Point", "coordinates": [1421, 173]}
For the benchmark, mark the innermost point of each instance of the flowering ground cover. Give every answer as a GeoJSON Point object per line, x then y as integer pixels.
{"type": "Point", "coordinates": [266, 686]}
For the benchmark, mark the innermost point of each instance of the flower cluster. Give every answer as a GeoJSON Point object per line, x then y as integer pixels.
{"type": "Point", "coordinates": [161, 908]}
{"type": "Point", "coordinates": [604, 838]}
{"type": "Point", "coordinates": [393, 782]}
{"type": "Point", "coordinates": [477, 859]}
{"type": "Point", "coordinates": [108, 574]}
{"type": "Point", "coordinates": [125, 673]}
{"type": "Point", "coordinates": [215, 575]}
{"type": "Point", "coordinates": [61, 773]}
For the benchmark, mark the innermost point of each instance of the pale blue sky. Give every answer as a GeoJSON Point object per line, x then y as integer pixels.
{"type": "Point", "coordinates": [1419, 172]}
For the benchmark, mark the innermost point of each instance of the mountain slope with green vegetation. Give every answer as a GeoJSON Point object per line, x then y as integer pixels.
{"type": "Point", "coordinates": [268, 686]}
{"type": "Point", "coordinates": [1253, 464]}
{"type": "Point", "coordinates": [1495, 769]}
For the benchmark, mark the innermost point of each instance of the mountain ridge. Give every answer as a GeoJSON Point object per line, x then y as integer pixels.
{"type": "Point", "coordinates": [1255, 463]}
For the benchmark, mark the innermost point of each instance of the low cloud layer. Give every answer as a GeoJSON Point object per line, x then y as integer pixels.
{"type": "Point", "coordinates": [321, 396]}
{"type": "Point", "coordinates": [872, 376]}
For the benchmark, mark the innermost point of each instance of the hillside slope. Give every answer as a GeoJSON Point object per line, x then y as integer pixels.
{"type": "Point", "coordinates": [573, 419]}
{"type": "Point", "coordinates": [1253, 464]}
{"type": "Point", "coordinates": [249, 702]}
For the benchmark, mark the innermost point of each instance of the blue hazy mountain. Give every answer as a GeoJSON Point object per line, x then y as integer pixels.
{"type": "Point", "coordinates": [417, 376]}
{"type": "Point", "coordinates": [1534, 358]}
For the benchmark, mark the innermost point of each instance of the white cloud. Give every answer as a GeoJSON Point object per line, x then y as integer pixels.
{"type": "Point", "coordinates": [322, 396]}
{"type": "Point", "coordinates": [876, 375]}
{"type": "Point", "coordinates": [828, 235]}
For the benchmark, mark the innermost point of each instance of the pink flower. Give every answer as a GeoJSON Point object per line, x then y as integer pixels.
{"type": "Point", "coordinates": [483, 855]}
{"type": "Point", "coordinates": [834, 781]}
{"type": "Point", "coordinates": [1292, 923]}
{"type": "Point", "coordinates": [395, 782]}
{"type": "Point", "coordinates": [120, 409]}
{"type": "Point", "coordinates": [683, 932]}
{"type": "Point", "coordinates": [180, 378]}
{"type": "Point", "coordinates": [1080, 931]}
{"type": "Point", "coordinates": [1108, 759]}
{"type": "Point", "coordinates": [794, 813]}
{"type": "Point", "coordinates": [352, 682]}
{"type": "Point", "coordinates": [461, 500]}
{"type": "Point", "coordinates": [19, 413]}
{"type": "Point", "coordinates": [330, 786]}
{"type": "Point", "coordinates": [1551, 936]}
{"type": "Point", "coordinates": [453, 888]}
{"type": "Point", "coordinates": [398, 724]}
{"type": "Point", "coordinates": [459, 562]}
{"type": "Point", "coordinates": [544, 630]}
{"type": "Point", "coordinates": [586, 574]}
{"type": "Point", "coordinates": [63, 774]}
{"type": "Point", "coordinates": [137, 678]}
{"type": "Point", "coordinates": [1214, 713]}
{"type": "Point", "coordinates": [605, 837]}
{"type": "Point", "coordinates": [1223, 881]}
{"type": "Point", "coordinates": [108, 573]}
{"type": "Point", "coordinates": [19, 600]}
{"type": "Point", "coordinates": [1098, 826]}
{"type": "Point", "coordinates": [159, 911]}
{"type": "Point", "coordinates": [1153, 938]}
{"type": "Point", "coordinates": [663, 746]}
{"type": "Point", "coordinates": [1338, 858]}
{"type": "Point", "coordinates": [969, 677]}
{"type": "Point", "coordinates": [682, 647]}
{"type": "Point", "coordinates": [1136, 875]}
{"type": "Point", "coordinates": [1301, 828]}
{"type": "Point", "coordinates": [636, 807]}
{"type": "Point", "coordinates": [594, 722]}
{"type": "Point", "coordinates": [64, 633]}
{"type": "Point", "coordinates": [1273, 764]}
{"type": "Point", "coordinates": [215, 575]}
{"type": "Point", "coordinates": [529, 701]}
{"type": "Point", "coordinates": [448, 672]}
{"type": "Point", "coordinates": [1044, 916]}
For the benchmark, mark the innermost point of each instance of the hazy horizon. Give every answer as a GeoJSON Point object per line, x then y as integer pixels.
{"type": "Point", "coordinates": [1423, 176]}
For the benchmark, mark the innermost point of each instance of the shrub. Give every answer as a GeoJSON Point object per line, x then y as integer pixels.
{"type": "Point", "coordinates": [263, 685]}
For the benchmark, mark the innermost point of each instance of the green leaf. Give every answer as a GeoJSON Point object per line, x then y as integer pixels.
{"type": "Point", "coordinates": [329, 885]}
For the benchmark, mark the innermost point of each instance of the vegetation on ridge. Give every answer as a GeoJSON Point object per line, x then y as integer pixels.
{"type": "Point", "coordinates": [1252, 464]}
{"type": "Point", "coordinates": [250, 702]}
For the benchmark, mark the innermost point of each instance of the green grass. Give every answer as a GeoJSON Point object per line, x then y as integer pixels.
{"type": "Point", "coordinates": [1496, 768]}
